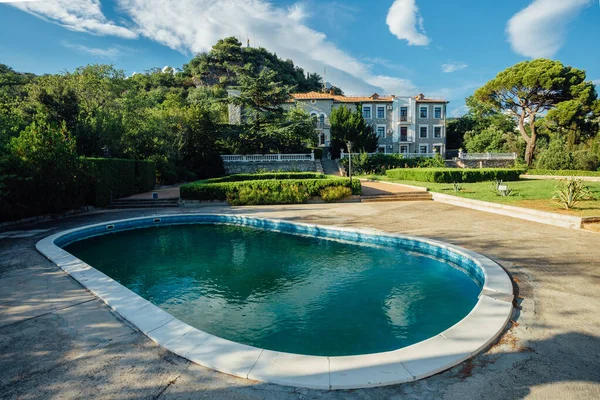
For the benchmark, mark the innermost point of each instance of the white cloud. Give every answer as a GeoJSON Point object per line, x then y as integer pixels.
{"type": "Point", "coordinates": [193, 26]}
{"type": "Point", "coordinates": [453, 66]}
{"type": "Point", "coordinates": [539, 29]}
{"type": "Point", "coordinates": [596, 82]}
{"type": "Point", "coordinates": [110, 53]}
{"type": "Point", "coordinates": [406, 23]}
{"type": "Point", "coordinates": [76, 15]}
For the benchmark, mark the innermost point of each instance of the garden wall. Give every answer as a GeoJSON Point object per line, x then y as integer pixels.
{"type": "Point", "coordinates": [283, 166]}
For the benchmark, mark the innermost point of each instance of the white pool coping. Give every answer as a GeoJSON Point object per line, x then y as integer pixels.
{"type": "Point", "coordinates": [472, 334]}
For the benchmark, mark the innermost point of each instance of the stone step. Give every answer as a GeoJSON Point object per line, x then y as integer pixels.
{"type": "Point", "coordinates": [143, 203]}
{"type": "Point", "coordinates": [420, 196]}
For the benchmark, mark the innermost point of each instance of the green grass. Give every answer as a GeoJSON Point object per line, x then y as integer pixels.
{"type": "Point", "coordinates": [536, 194]}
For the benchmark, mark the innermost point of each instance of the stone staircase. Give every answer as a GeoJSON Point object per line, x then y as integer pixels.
{"type": "Point", "coordinates": [405, 196]}
{"type": "Point", "coordinates": [144, 203]}
{"type": "Point", "coordinates": [330, 167]}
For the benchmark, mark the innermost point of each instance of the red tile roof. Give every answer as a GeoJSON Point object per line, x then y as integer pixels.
{"type": "Point", "coordinates": [375, 98]}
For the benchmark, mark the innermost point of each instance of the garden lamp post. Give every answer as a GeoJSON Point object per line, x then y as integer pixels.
{"type": "Point", "coordinates": [350, 162]}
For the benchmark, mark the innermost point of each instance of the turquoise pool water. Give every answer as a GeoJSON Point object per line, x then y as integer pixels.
{"type": "Point", "coordinates": [286, 292]}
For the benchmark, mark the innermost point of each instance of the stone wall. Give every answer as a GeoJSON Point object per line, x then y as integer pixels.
{"type": "Point", "coordinates": [486, 163]}
{"type": "Point", "coordinates": [252, 167]}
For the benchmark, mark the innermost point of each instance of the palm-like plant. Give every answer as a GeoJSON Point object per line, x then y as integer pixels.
{"type": "Point", "coordinates": [571, 191]}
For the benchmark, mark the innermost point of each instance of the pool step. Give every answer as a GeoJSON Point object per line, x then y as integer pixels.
{"type": "Point", "coordinates": [408, 196]}
{"type": "Point", "coordinates": [144, 203]}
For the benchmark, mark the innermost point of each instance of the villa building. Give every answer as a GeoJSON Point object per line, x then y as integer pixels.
{"type": "Point", "coordinates": [403, 124]}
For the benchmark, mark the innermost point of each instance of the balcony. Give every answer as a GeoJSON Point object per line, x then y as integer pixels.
{"type": "Point", "coordinates": [407, 139]}
{"type": "Point", "coordinates": [323, 125]}
{"type": "Point", "coordinates": [405, 119]}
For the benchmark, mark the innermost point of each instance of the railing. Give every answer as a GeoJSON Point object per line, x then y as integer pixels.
{"type": "Point", "coordinates": [268, 157]}
{"type": "Point", "coordinates": [405, 155]}
{"type": "Point", "coordinates": [407, 138]}
{"type": "Point", "coordinates": [322, 125]}
{"type": "Point", "coordinates": [487, 156]}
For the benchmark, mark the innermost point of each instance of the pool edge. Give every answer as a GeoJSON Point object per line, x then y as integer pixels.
{"type": "Point", "coordinates": [472, 334]}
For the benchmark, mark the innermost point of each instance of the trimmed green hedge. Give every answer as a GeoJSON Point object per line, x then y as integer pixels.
{"type": "Point", "coordinates": [210, 190]}
{"type": "Point", "coordinates": [449, 175]}
{"type": "Point", "coordinates": [562, 172]}
{"type": "Point", "coordinates": [266, 176]}
{"type": "Point", "coordinates": [145, 176]}
{"type": "Point", "coordinates": [112, 178]}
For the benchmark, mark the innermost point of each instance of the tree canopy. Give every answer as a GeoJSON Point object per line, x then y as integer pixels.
{"type": "Point", "coordinates": [530, 89]}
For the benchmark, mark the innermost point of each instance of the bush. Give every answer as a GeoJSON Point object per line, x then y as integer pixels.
{"type": "Point", "coordinates": [169, 177]}
{"type": "Point", "coordinates": [335, 193]}
{"type": "Point", "coordinates": [318, 153]}
{"type": "Point", "coordinates": [212, 189]}
{"type": "Point", "coordinates": [555, 157]}
{"type": "Point", "coordinates": [451, 175]}
{"type": "Point", "coordinates": [562, 172]}
{"type": "Point", "coordinates": [585, 160]}
{"type": "Point", "coordinates": [289, 194]}
{"type": "Point", "coordinates": [571, 191]}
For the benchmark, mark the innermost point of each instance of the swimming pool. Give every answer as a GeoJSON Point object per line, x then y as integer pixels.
{"type": "Point", "coordinates": [291, 303]}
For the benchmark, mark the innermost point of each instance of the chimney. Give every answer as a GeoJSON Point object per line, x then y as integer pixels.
{"type": "Point", "coordinates": [332, 91]}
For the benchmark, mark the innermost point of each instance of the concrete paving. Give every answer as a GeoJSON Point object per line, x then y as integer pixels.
{"type": "Point", "coordinates": [59, 341]}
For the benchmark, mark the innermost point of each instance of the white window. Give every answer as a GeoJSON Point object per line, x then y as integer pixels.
{"type": "Point", "coordinates": [423, 131]}
{"type": "Point", "coordinates": [424, 149]}
{"type": "Point", "coordinates": [423, 112]}
{"type": "Point", "coordinates": [437, 113]}
{"type": "Point", "coordinates": [403, 114]}
{"type": "Point", "coordinates": [403, 149]}
{"type": "Point", "coordinates": [381, 131]}
{"type": "Point", "coordinates": [381, 112]}
{"type": "Point", "coordinates": [366, 112]}
{"type": "Point", "coordinates": [437, 131]}
{"type": "Point", "coordinates": [437, 148]}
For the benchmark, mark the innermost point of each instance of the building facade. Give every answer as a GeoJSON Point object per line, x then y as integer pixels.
{"type": "Point", "coordinates": [403, 124]}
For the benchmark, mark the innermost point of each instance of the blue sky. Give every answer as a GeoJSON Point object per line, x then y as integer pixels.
{"type": "Point", "coordinates": [443, 49]}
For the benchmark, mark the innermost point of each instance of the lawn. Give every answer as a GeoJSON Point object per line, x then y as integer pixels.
{"type": "Point", "coordinates": [536, 194]}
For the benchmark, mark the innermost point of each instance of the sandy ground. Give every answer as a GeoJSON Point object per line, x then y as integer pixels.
{"type": "Point", "coordinates": [59, 341]}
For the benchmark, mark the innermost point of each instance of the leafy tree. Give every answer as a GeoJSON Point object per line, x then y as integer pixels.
{"type": "Point", "coordinates": [531, 88]}
{"type": "Point", "coordinates": [42, 161]}
{"type": "Point", "coordinates": [221, 64]}
{"type": "Point", "coordinates": [349, 126]}
{"type": "Point", "coordinates": [261, 99]}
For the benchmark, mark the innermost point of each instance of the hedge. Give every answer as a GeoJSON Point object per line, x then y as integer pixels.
{"type": "Point", "coordinates": [562, 172]}
{"type": "Point", "coordinates": [266, 176]}
{"type": "Point", "coordinates": [449, 175]}
{"type": "Point", "coordinates": [145, 176]}
{"type": "Point", "coordinates": [112, 178]}
{"type": "Point", "coordinates": [205, 190]}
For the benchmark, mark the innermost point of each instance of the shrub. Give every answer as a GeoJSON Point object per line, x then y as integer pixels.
{"type": "Point", "coordinates": [571, 191]}
{"type": "Point", "coordinates": [288, 194]}
{"type": "Point", "coordinates": [335, 193]}
{"type": "Point", "coordinates": [555, 157]}
{"type": "Point", "coordinates": [169, 177]}
{"type": "Point", "coordinates": [318, 153]}
{"type": "Point", "coordinates": [585, 160]}
{"type": "Point", "coordinates": [562, 172]}
{"type": "Point", "coordinates": [213, 189]}
{"type": "Point", "coordinates": [451, 175]}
